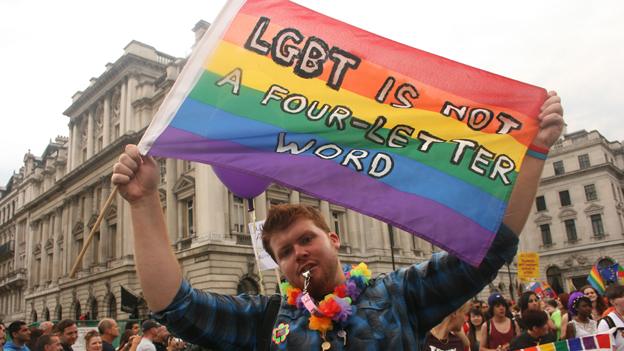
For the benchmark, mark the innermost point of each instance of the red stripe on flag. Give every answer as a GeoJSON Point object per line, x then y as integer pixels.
{"type": "Point", "coordinates": [604, 340]}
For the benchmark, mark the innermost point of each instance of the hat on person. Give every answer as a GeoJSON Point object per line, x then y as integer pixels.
{"type": "Point", "coordinates": [496, 297]}
{"type": "Point", "coordinates": [149, 324]}
{"type": "Point", "coordinates": [574, 300]}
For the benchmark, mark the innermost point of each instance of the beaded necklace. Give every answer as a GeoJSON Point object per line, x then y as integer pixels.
{"type": "Point", "coordinates": [336, 306]}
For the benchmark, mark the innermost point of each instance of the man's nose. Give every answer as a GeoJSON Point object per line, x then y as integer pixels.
{"type": "Point", "coordinates": [300, 252]}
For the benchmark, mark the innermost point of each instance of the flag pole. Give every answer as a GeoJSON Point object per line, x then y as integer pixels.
{"type": "Point", "coordinates": [252, 218]}
{"type": "Point", "coordinates": [94, 229]}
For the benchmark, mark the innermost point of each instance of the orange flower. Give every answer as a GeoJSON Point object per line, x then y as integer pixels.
{"type": "Point", "coordinates": [341, 290]}
{"type": "Point", "coordinates": [293, 294]}
{"type": "Point", "coordinates": [322, 324]}
{"type": "Point", "coordinates": [329, 307]}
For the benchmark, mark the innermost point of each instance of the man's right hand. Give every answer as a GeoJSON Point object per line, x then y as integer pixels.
{"type": "Point", "coordinates": [136, 176]}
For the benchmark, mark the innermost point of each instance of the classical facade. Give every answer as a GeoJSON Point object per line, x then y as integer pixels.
{"type": "Point", "coordinates": [48, 208]}
{"type": "Point", "coordinates": [578, 214]}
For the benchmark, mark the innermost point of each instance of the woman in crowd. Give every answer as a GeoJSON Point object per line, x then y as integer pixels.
{"type": "Point", "coordinates": [132, 326]}
{"type": "Point", "coordinates": [562, 303]}
{"type": "Point", "coordinates": [580, 310]}
{"type": "Point", "coordinates": [597, 301]}
{"type": "Point", "coordinates": [497, 332]}
{"type": "Point", "coordinates": [473, 327]}
{"type": "Point", "coordinates": [527, 301]}
{"type": "Point", "coordinates": [93, 341]}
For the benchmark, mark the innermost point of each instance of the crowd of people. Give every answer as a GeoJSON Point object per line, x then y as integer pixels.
{"type": "Point", "coordinates": [48, 336]}
{"type": "Point", "coordinates": [503, 325]}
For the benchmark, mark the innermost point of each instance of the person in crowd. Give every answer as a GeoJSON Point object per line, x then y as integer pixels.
{"type": "Point", "coordinates": [175, 344]}
{"type": "Point", "coordinates": [2, 335]}
{"type": "Point", "coordinates": [123, 341]}
{"type": "Point", "coordinates": [448, 334]}
{"type": "Point", "coordinates": [472, 327]}
{"type": "Point", "coordinates": [537, 331]}
{"type": "Point", "coordinates": [161, 339]}
{"type": "Point", "coordinates": [615, 319]}
{"type": "Point", "coordinates": [68, 331]}
{"type": "Point", "coordinates": [598, 303]}
{"type": "Point", "coordinates": [528, 301]}
{"type": "Point", "coordinates": [562, 303]}
{"type": "Point", "coordinates": [109, 331]}
{"type": "Point", "coordinates": [46, 327]}
{"type": "Point", "coordinates": [49, 342]}
{"type": "Point", "coordinates": [498, 331]}
{"type": "Point", "coordinates": [35, 334]}
{"type": "Point", "coordinates": [133, 326]}
{"type": "Point", "coordinates": [20, 335]}
{"type": "Point", "coordinates": [150, 332]}
{"type": "Point", "coordinates": [580, 310]}
{"type": "Point", "coordinates": [93, 341]}
{"type": "Point", "coordinates": [306, 250]}
{"type": "Point", "coordinates": [554, 313]}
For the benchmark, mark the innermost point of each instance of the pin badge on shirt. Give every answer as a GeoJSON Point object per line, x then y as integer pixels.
{"type": "Point", "coordinates": [280, 333]}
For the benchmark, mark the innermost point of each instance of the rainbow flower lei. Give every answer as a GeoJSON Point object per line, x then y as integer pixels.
{"type": "Point", "coordinates": [336, 306]}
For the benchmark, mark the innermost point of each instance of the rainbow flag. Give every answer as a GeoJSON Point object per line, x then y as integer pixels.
{"type": "Point", "coordinates": [548, 291]}
{"type": "Point", "coordinates": [281, 92]}
{"type": "Point", "coordinates": [620, 274]}
{"type": "Point", "coordinates": [595, 279]}
{"type": "Point", "coordinates": [597, 342]}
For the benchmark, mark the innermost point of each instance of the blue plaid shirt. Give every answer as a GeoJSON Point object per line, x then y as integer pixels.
{"type": "Point", "coordinates": [393, 313]}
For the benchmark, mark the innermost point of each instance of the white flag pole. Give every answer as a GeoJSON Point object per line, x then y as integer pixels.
{"type": "Point", "coordinates": [252, 218]}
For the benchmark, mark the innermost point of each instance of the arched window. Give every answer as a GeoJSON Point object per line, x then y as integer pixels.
{"type": "Point", "coordinates": [46, 314]}
{"type": "Point", "coordinates": [247, 286]}
{"type": "Point", "coordinates": [33, 315]}
{"type": "Point", "coordinates": [112, 306]}
{"type": "Point", "coordinates": [93, 308]}
{"type": "Point", "coordinates": [76, 311]}
{"type": "Point", "coordinates": [553, 275]}
{"type": "Point", "coordinates": [58, 312]}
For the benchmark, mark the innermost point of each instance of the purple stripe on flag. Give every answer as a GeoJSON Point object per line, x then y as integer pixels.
{"type": "Point", "coordinates": [589, 343]}
{"type": "Point", "coordinates": [328, 180]}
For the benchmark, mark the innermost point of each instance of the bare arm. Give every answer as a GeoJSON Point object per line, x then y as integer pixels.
{"type": "Point", "coordinates": [521, 200]}
{"type": "Point", "coordinates": [156, 264]}
{"type": "Point", "coordinates": [483, 338]}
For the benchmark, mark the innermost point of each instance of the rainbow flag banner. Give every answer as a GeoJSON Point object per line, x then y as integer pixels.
{"type": "Point", "coordinates": [595, 279]}
{"type": "Point", "coordinates": [597, 342]}
{"type": "Point", "coordinates": [280, 92]}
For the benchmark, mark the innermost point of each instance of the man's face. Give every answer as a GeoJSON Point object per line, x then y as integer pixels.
{"type": "Point", "coordinates": [23, 334]}
{"type": "Point", "coordinates": [70, 334]}
{"type": "Point", "coordinates": [540, 331]}
{"type": "Point", "coordinates": [54, 345]}
{"type": "Point", "coordinates": [162, 334]}
{"type": "Point", "coordinates": [114, 330]}
{"type": "Point", "coordinates": [618, 304]}
{"type": "Point", "coordinates": [303, 246]}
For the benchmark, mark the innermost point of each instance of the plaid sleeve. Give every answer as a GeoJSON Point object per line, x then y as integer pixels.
{"type": "Point", "coordinates": [435, 288]}
{"type": "Point", "coordinates": [214, 320]}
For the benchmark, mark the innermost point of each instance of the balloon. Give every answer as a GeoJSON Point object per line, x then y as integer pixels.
{"type": "Point", "coordinates": [241, 184]}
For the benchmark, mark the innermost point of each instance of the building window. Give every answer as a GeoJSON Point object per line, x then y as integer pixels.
{"type": "Point", "coordinates": [564, 198]}
{"type": "Point", "coordinates": [597, 227]}
{"type": "Point", "coordinates": [190, 228]}
{"type": "Point", "coordinates": [570, 227]}
{"type": "Point", "coordinates": [162, 163]}
{"type": "Point", "coordinates": [238, 215]}
{"type": "Point", "coordinates": [558, 166]}
{"type": "Point", "coordinates": [590, 192]}
{"type": "Point", "coordinates": [584, 161]}
{"type": "Point", "coordinates": [112, 241]}
{"type": "Point", "coordinates": [546, 236]}
{"type": "Point", "coordinates": [553, 275]}
{"type": "Point", "coordinates": [540, 203]}
{"type": "Point", "coordinates": [338, 222]}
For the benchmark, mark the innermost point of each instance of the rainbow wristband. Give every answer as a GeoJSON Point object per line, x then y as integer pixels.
{"type": "Point", "coordinates": [537, 152]}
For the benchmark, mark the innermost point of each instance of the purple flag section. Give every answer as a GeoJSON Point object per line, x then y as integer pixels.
{"type": "Point", "coordinates": [241, 184]}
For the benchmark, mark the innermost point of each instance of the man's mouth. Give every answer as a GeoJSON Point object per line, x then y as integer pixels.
{"type": "Point", "coordinates": [306, 267]}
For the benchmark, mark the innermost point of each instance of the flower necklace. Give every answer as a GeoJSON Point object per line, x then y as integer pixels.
{"type": "Point", "coordinates": [336, 306]}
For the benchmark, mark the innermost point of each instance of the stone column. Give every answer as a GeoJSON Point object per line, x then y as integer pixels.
{"type": "Point", "coordinates": [55, 248]}
{"type": "Point", "coordinates": [88, 210]}
{"type": "Point", "coordinates": [105, 237]}
{"type": "Point", "coordinates": [132, 125]}
{"type": "Point", "coordinates": [172, 204]}
{"type": "Point", "coordinates": [353, 230]}
{"type": "Point", "coordinates": [70, 151]}
{"type": "Point", "coordinates": [123, 124]}
{"type": "Point", "coordinates": [325, 211]}
{"type": "Point", "coordinates": [260, 202]}
{"type": "Point", "coordinates": [106, 120]}
{"type": "Point", "coordinates": [209, 212]}
{"type": "Point", "coordinates": [294, 197]}
{"type": "Point", "coordinates": [75, 145]}
{"type": "Point", "coordinates": [90, 134]}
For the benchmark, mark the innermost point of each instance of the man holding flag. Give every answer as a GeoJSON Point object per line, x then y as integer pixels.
{"type": "Point", "coordinates": [393, 312]}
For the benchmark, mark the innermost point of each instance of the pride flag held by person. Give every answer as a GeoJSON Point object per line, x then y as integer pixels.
{"type": "Point", "coordinates": [277, 91]}
{"type": "Point", "coordinates": [595, 279]}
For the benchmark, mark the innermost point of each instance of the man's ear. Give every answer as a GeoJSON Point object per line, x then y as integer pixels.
{"type": "Point", "coordinates": [334, 239]}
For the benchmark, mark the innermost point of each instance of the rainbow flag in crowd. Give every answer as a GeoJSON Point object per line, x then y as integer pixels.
{"type": "Point", "coordinates": [278, 91]}
{"type": "Point", "coordinates": [548, 291]}
{"type": "Point", "coordinates": [620, 274]}
{"type": "Point", "coordinates": [598, 342]}
{"type": "Point", "coordinates": [595, 279]}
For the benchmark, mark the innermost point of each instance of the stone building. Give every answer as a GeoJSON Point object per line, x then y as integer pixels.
{"type": "Point", "coordinates": [578, 214]}
{"type": "Point", "coordinates": [49, 207]}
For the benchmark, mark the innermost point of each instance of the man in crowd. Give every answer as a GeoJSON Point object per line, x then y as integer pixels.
{"type": "Point", "coordinates": [162, 336]}
{"type": "Point", "coordinates": [615, 294]}
{"type": "Point", "coordinates": [20, 335]}
{"type": "Point", "coordinates": [49, 342]}
{"type": "Point", "coordinates": [448, 335]}
{"type": "Point", "coordinates": [150, 333]}
{"type": "Point", "coordinates": [537, 331]}
{"type": "Point", "coordinates": [393, 312]}
{"type": "Point", "coordinates": [109, 331]}
{"type": "Point", "coordinates": [68, 332]}
{"type": "Point", "coordinates": [46, 327]}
